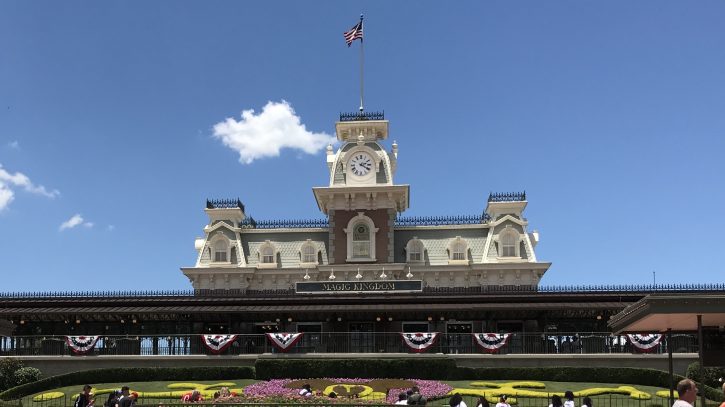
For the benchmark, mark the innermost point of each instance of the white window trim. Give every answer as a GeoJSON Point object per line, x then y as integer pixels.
{"type": "Point", "coordinates": [273, 264]}
{"type": "Point", "coordinates": [212, 245]}
{"type": "Point", "coordinates": [303, 263]}
{"type": "Point", "coordinates": [452, 244]}
{"type": "Point", "coordinates": [508, 230]}
{"type": "Point", "coordinates": [361, 218]}
{"type": "Point", "coordinates": [409, 247]}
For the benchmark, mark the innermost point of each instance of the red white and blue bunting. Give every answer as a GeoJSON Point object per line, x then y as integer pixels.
{"type": "Point", "coordinates": [419, 341]}
{"type": "Point", "coordinates": [80, 345]}
{"type": "Point", "coordinates": [645, 342]}
{"type": "Point", "coordinates": [490, 342]}
{"type": "Point", "coordinates": [218, 343]}
{"type": "Point", "coordinates": [284, 341]}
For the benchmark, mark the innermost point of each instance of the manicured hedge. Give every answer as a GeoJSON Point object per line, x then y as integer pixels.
{"type": "Point", "coordinates": [351, 368]}
{"type": "Point", "coordinates": [129, 374]}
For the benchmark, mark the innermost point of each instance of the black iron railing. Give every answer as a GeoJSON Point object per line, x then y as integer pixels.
{"type": "Point", "coordinates": [507, 196]}
{"type": "Point", "coordinates": [441, 220]}
{"type": "Point", "coordinates": [492, 289]}
{"type": "Point", "coordinates": [251, 223]}
{"type": "Point", "coordinates": [224, 204]}
{"type": "Point", "coordinates": [361, 116]}
{"type": "Point", "coordinates": [341, 342]}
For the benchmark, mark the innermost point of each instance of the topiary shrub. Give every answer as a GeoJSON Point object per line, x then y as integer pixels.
{"type": "Point", "coordinates": [712, 374]}
{"type": "Point", "coordinates": [13, 373]}
{"type": "Point", "coordinates": [26, 375]}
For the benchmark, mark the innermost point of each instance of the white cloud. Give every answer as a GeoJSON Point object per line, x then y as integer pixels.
{"type": "Point", "coordinates": [264, 134]}
{"type": "Point", "coordinates": [14, 144]}
{"type": "Point", "coordinates": [111, 228]}
{"type": "Point", "coordinates": [20, 180]}
{"type": "Point", "coordinates": [75, 220]}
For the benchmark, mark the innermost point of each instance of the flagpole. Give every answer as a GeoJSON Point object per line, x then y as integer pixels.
{"type": "Point", "coordinates": [362, 59]}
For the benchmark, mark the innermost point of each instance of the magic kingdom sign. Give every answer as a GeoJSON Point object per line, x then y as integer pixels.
{"type": "Point", "coordinates": [352, 287]}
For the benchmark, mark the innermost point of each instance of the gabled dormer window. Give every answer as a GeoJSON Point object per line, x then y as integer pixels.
{"type": "Point", "coordinates": [220, 251]}
{"type": "Point", "coordinates": [267, 255]}
{"type": "Point", "coordinates": [415, 250]}
{"type": "Point", "coordinates": [509, 242]}
{"type": "Point", "coordinates": [308, 253]}
{"type": "Point", "coordinates": [458, 251]}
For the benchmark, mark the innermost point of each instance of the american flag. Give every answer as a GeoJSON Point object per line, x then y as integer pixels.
{"type": "Point", "coordinates": [354, 33]}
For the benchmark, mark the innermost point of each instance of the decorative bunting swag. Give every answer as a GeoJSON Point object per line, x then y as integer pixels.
{"type": "Point", "coordinates": [284, 341]}
{"type": "Point", "coordinates": [419, 341]}
{"type": "Point", "coordinates": [491, 343]}
{"type": "Point", "coordinates": [218, 343]}
{"type": "Point", "coordinates": [80, 345]}
{"type": "Point", "coordinates": [645, 342]}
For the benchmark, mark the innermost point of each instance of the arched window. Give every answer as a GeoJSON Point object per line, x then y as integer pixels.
{"type": "Point", "coordinates": [458, 250]}
{"type": "Point", "coordinates": [361, 241]}
{"type": "Point", "coordinates": [220, 251]}
{"type": "Point", "coordinates": [415, 250]}
{"type": "Point", "coordinates": [267, 254]}
{"type": "Point", "coordinates": [509, 241]}
{"type": "Point", "coordinates": [309, 252]}
{"type": "Point", "coordinates": [360, 238]}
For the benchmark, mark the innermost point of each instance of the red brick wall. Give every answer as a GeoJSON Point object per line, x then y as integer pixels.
{"type": "Point", "coordinates": [379, 217]}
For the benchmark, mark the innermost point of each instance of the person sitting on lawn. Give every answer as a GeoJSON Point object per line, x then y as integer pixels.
{"type": "Point", "coordinates": [193, 397]}
{"type": "Point", "coordinates": [306, 390]}
{"type": "Point", "coordinates": [416, 399]}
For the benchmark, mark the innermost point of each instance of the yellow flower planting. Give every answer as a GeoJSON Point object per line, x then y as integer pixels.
{"type": "Point", "coordinates": [493, 390]}
{"type": "Point", "coordinates": [51, 395]}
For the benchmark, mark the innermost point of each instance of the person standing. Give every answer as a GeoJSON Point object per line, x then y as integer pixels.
{"type": "Point", "coordinates": [85, 399]}
{"type": "Point", "coordinates": [587, 402]}
{"type": "Point", "coordinates": [687, 393]}
{"type": "Point", "coordinates": [502, 402]}
{"type": "Point", "coordinates": [482, 402]}
{"type": "Point", "coordinates": [457, 401]}
{"type": "Point", "coordinates": [556, 401]}
{"type": "Point", "coordinates": [125, 400]}
{"type": "Point", "coordinates": [569, 399]}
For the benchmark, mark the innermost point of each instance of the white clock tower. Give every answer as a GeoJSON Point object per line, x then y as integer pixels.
{"type": "Point", "coordinates": [362, 201]}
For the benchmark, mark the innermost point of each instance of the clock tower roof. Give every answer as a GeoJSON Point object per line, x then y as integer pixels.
{"type": "Point", "coordinates": [361, 126]}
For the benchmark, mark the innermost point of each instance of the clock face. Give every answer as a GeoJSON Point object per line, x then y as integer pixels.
{"type": "Point", "coordinates": [361, 164]}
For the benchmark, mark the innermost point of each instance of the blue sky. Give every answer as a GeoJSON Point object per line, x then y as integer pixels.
{"type": "Point", "coordinates": [608, 114]}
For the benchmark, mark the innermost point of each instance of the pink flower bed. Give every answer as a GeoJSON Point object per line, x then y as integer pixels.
{"type": "Point", "coordinates": [431, 389]}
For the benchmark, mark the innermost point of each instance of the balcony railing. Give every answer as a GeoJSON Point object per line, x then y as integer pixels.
{"type": "Point", "coordinates": [342, 342]}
